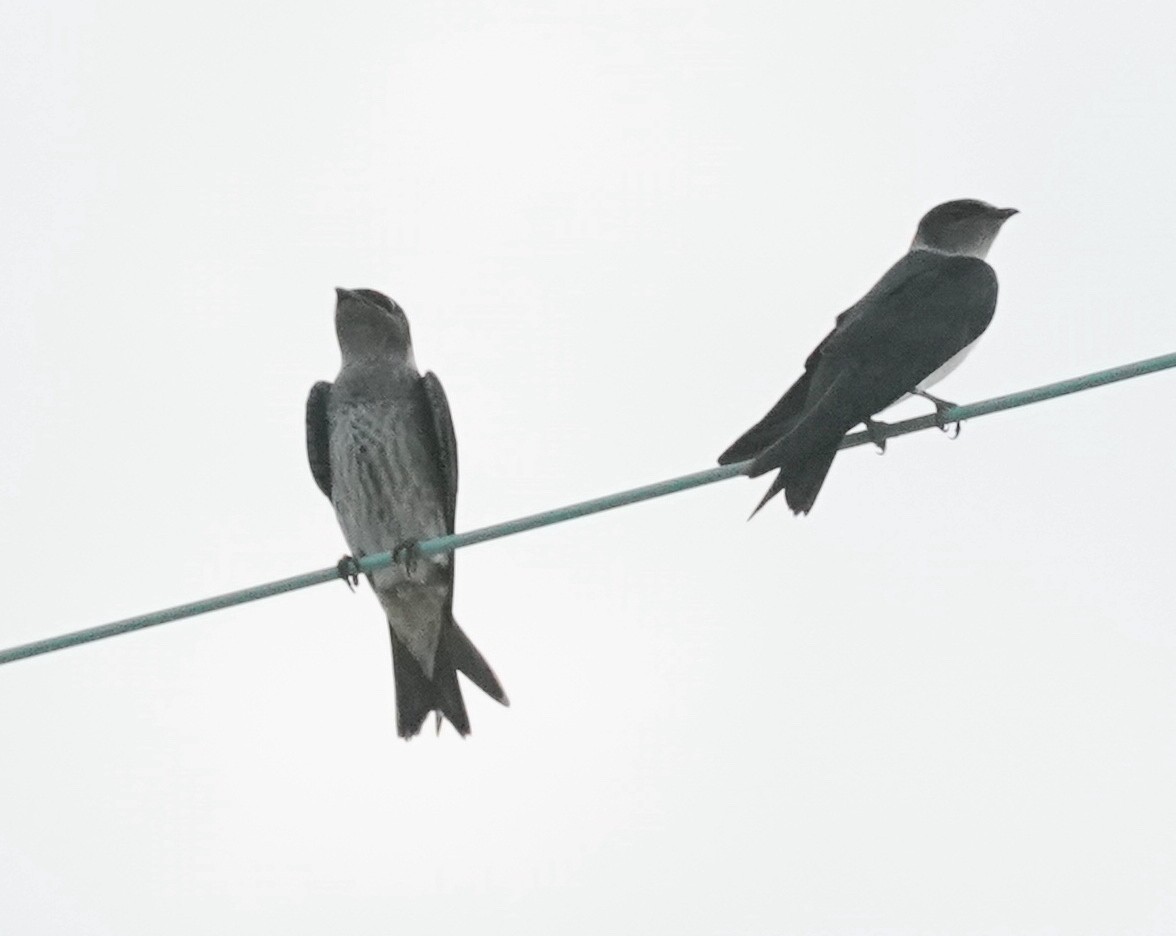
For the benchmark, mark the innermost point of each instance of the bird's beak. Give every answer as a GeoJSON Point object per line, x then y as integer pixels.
{"type": "Point", "coordinates": [1005, 213]}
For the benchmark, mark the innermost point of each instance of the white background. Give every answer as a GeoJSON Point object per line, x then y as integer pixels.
{"type": "Point", "coordinates": [942, 703]}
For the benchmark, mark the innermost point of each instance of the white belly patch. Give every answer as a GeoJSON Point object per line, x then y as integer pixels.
{"type": "Point", "coordinates": [952, 363]}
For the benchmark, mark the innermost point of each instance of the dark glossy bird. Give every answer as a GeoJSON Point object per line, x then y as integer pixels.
{"type": "Point", "coordinates": [910, 331]}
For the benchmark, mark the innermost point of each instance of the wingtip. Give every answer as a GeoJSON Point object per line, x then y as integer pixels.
{"type": "Point", "coordinates": [745, 460]}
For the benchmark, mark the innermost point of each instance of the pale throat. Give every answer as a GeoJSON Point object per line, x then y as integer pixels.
{"type": "Point", "coordinates": [978, 248]}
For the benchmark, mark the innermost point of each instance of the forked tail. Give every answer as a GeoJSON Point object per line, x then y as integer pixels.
{"type": "Point", "coordinates": [417, 695]}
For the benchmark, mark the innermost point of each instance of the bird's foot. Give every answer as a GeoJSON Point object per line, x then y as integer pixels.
{"type": "Point", "coordinates": [349, 571]}
{"type": "Point", "coordinates": [406, 555]}
{"type": "Point", "coordinates": [942, 408]}
{"type": "Point", "coordinates": [877, 433]}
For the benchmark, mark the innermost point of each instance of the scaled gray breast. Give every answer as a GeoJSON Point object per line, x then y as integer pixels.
{"type": "Point", "coordinates": [385, 486]}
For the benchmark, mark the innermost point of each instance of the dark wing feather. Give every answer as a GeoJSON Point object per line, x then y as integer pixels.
{"type": "Point", "coordinates": [446, 439]}
{"type": "Point", "coordinates": [455, 653]}
{"type": "Point", "coordinates": [783, 415]}
{"type": "Point", "coordinates": [923, 310]}
{"type": "Point", "coordinates": [318, 449]}
{"type": "Point", "coordinates": [926, 309]}
{"type": "Point", "coordinates": [774, 424]}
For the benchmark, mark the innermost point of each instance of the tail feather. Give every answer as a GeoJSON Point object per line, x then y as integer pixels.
{"type": "Point", "coordinates": [417, 695]}
{"type": "Point", "coordinates": [803, 459]}
{"type": "Point", "coordinates": [466, 658]}
{"type": "Point", "coordinates": [805, 453]}
{"type": "Point", "coordinates": [776, 487]}
{"type": "Point", "coordinates": [800, 486]}
{"type": "Point", "coordinates": [803, 487]}
{"type": "Point", "coordinates": [448, 700]}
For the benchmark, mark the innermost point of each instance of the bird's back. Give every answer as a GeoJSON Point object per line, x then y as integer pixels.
{"type": "Point", "coordinates": [921, 314]}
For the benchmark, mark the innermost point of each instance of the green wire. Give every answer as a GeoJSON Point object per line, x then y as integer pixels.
{"type": "Point", "coordinates": [443, 544]}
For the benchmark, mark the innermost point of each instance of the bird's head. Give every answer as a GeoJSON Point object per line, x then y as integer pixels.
{"type": "Point", "coordinates": [370, 325]}
{"type": "Point", "coordinates": [967, 226]}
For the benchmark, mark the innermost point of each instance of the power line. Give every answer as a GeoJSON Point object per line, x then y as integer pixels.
{"type": "Point", "coordinates": [443, 544]}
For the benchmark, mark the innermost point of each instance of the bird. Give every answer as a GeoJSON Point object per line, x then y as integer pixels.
{"type": "Point", "coordinates": [911, 330]}
{"type": "Point", "coordinates": [382, 448]}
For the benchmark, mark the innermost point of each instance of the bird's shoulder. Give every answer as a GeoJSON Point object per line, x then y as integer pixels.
{"type": "Point", "coordinates": [925, 274]}
{"type": "Point", "coordinates": [923, 286]}
{"type": "Point", "coordinates": [918, 274]}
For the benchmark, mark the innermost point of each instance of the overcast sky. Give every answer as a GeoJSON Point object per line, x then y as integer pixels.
{"type": "Point", "coordinates": [941, 703]}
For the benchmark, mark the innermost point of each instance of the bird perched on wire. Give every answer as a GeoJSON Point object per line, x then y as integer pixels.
{"type": "Point", "coordinates": [907, 333]}
{"type": "Point", "coordinates": [382, 448]}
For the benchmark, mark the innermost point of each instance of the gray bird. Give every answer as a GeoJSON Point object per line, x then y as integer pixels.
{"type": "Point", "coordinates": [907, 333]}
{"type": "Point", "coordinates": [382, 449]}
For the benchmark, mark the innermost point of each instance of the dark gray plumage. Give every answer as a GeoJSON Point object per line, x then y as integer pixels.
{"type": "Point", "coordinates": [381, 447]}
{"type": "Point", "coordinates": [905, 334]}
